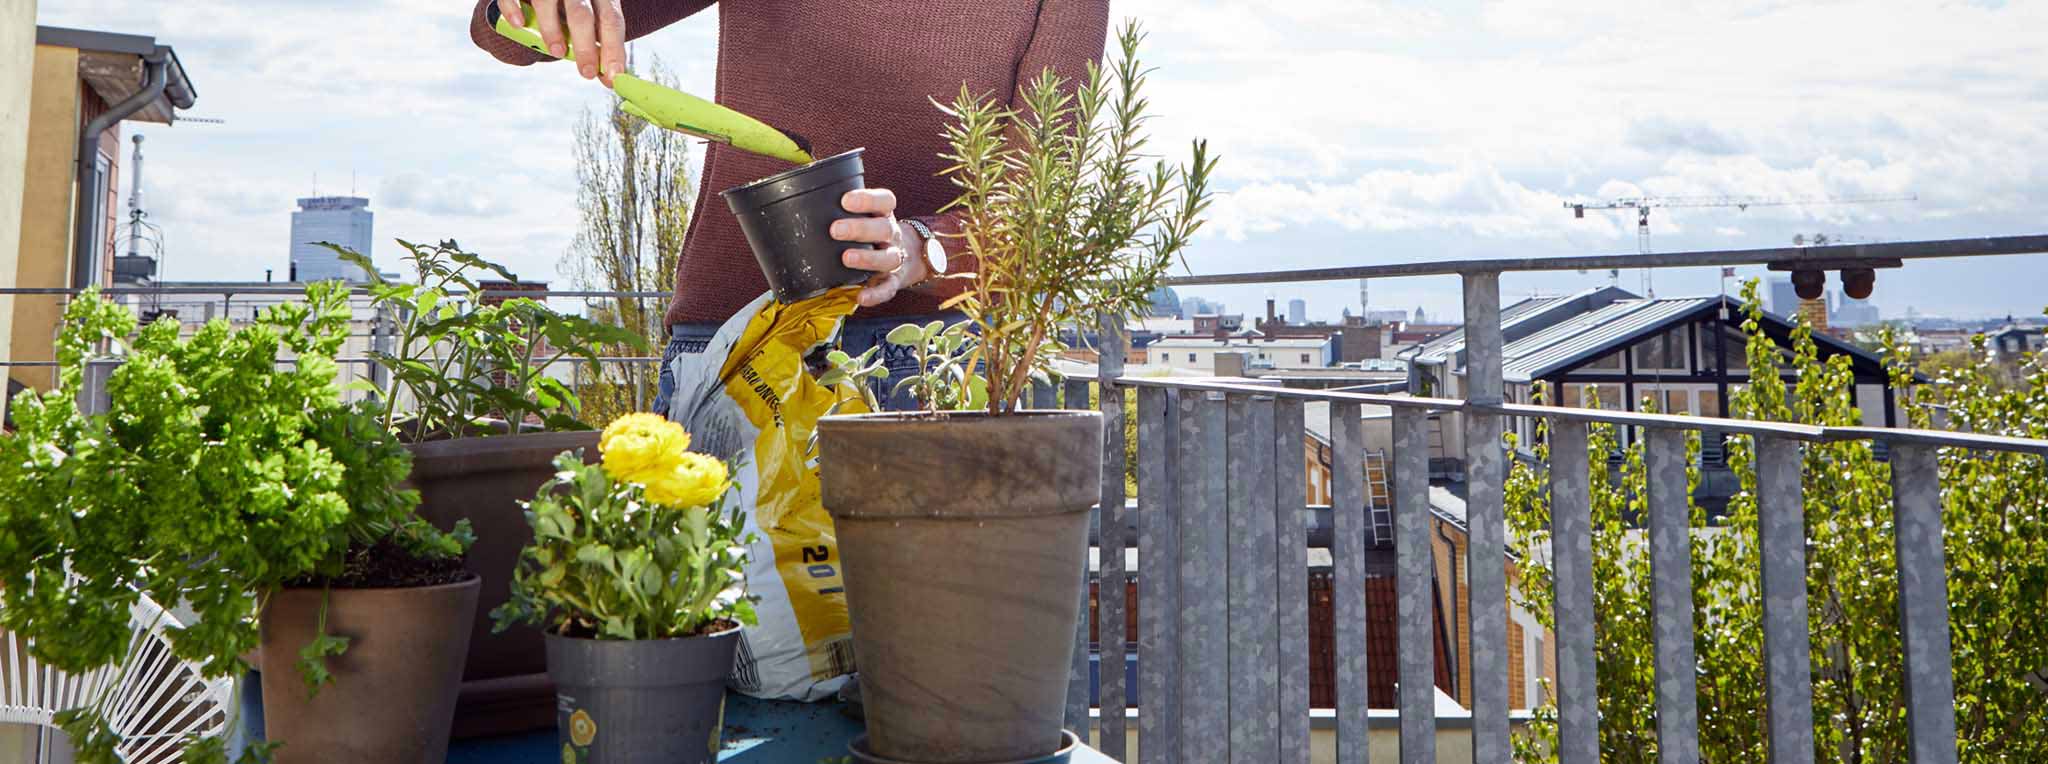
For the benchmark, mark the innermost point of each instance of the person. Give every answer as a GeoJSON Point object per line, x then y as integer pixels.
{"type": "Point", "coordinates": [855, 73]}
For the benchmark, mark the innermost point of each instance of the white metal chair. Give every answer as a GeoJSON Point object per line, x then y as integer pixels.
{"type": "Point", "coordinates": [158, 700]}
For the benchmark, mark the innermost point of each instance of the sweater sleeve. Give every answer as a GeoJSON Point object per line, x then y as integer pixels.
{"type": "Point", "coordinates": [643, 17]}
{"type": "Point", "coordinates": [1069, 34]}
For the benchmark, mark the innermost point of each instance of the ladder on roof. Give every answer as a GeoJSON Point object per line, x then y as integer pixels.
{"type": "Point", "coordinates": [1379, 497]}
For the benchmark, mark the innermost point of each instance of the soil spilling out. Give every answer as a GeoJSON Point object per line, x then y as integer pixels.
{"type": "Point", "coordinates": [387, 565]}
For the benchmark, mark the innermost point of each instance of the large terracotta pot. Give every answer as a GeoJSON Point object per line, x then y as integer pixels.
{"type": "Point", "coordinates": [964, 540]}
{"type": "Point", "coordinates": [505, 685]}
{"type": "Point", "coordinates": [393, 694]}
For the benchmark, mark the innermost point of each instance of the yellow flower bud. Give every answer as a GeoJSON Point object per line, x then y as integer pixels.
{"type": "Point", "coordinates": [695, 481]}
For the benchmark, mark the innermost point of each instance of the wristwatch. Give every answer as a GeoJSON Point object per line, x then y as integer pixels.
{"type": "Point", "coordinates": [934, 252]}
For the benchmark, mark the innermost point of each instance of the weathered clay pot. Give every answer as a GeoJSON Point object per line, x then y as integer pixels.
{"type": "Point", "coordinates": [965, 545]}
{"type": "Point", "coordinates": [642, 700]}
{"type": "Point", "coordinates": [505, 685]}
{"type": "Point", "coordinates": [393, 694]}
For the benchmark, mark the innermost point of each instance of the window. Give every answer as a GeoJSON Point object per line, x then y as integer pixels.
{"type": "Point", "coordinates": [102, 171]}
{"type": "Point", "coordinates": [1610, 361]}
{"type": "Point", "coordinates": [1191, 358]}
{"type": "Point", "coordinates": [1734, 344]}
{"type": "Point", "coordinates": [1710, 402]}
{"type": "Point", "coordinates": [1304, 358]}
{"type": "Point", "coordinates": [1568, 396]}
{"type": "Point", "coordinates": [1610, 396]}
{"type": "Point", "coordinates": [1664, 351]}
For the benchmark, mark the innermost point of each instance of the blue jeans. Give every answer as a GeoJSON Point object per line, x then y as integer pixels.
{"type": "Point", "coordinates": [855, 337]}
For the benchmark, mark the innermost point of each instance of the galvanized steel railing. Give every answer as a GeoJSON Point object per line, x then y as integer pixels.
{"type": "Point", "coordinates": [1219, 528]}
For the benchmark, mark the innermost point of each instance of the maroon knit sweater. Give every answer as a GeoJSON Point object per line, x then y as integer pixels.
{"type": "Point", "coordinates": [846, 74]}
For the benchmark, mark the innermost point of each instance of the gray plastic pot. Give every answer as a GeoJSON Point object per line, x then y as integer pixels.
{"type": "Point", "coordinates": [633, 701]}
{"type": "Point", "coordinates": [964, 540]}
{"type": "Point", "coordinates": [1068, 743]}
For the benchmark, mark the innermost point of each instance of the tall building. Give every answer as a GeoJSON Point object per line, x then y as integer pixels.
{"type": "Point", "coordinates": [1781, 298]}
{"type": "Point", "coordinates": [1850, 311]}
{"type": "Point", "coordinates": [343, 220]}
{"type": "Point", "coordinates": [1297, 312]}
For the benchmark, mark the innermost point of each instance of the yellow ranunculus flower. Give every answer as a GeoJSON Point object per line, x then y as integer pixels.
{"type": "Point", "coordinates": [695, 481]}
{"type": "Point", "coordinates": [639, 447]}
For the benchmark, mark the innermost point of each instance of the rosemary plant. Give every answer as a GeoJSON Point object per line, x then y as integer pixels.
{"type": "Point", "coordinates": [1065, 218]}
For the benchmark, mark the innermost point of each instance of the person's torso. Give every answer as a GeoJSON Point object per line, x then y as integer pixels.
{"type": "Point", "coordinates": [844, 75]}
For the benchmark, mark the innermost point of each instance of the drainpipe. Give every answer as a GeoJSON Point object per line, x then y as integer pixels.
{"type": "Point", "coordinates": [85, 258]}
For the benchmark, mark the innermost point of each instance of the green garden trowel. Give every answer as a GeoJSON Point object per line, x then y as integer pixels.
{"type": "Point", "coordinates": [674, 109]}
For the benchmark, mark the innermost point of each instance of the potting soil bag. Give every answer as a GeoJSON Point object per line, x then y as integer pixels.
{"type": "Point", "coordinates": [750, 398]}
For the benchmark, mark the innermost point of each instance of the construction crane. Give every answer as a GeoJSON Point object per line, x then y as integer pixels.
{"type": "Point", "coordinates": [1643, 204]}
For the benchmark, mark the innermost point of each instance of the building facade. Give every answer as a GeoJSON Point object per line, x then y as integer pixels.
{"type": "Point", "coordinates": [343, 220]}
{"type": "Point", "coordinates": [82, 85]}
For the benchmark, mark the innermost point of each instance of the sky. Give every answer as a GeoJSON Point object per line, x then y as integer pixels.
{"type": "Point", "coordinates": [1352, 132]}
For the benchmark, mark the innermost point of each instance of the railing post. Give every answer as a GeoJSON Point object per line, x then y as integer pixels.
{"type": "Point", "coordinates": [1671, 597]}
{"type": "Point", "coordinates": [1486, 550]}
{"type": "Point", "coordinates": [1347, 580]}
{"type": "Point", "coordinates": [1077, 671]}
{"type": "Point", "coordinates": [1109, 622]}
{"type": "Point", "coordinates": [1781, 527]}
{"type": "Point", "coordinates": [1571, 545]}
{"type": "Point", "coordinates": [1923, 604]}
{"type": "Point", "coordinates": [1415, 600]}
{"type": "Point", "coordinates": [1253, 620]}
{"type": "Point", "coordinates": [1205, 574]}
{"type": "Point", "coordinates": [1160, 502]}
{"type": "Point", "coordinates": [1290, 545]}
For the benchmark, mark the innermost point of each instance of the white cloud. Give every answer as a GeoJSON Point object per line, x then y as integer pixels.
{"type": "Point", "coordinates": [1343, 126]}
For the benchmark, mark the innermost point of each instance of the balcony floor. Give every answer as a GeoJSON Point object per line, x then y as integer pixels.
{"type": "Point", "coordinates": [756, 732]}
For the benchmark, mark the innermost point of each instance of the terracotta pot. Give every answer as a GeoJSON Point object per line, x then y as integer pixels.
{"type": "Point", "coordinates": [964, 540]}
{"type": "Point", "coordinates": [641, 700]}
{"type": "Point", "coordinates": [393, 694]}
{"type": "Point", "coordinates": [505, 685]}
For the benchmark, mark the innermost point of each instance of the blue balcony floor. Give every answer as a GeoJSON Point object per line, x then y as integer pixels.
{"type": "Point", "coordinates": [756, 732]}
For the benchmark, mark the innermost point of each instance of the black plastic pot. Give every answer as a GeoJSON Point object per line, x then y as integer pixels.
{"type": "Point", "coordinates": [1064, 754]}
{"type": "Point", "coordinates": [964, 545]}
{"type": "Point", "coordinates": [650, 700]}
{"type": "Point", "coordinates": [788, 217]}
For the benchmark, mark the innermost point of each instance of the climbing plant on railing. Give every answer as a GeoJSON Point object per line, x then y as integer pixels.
{"type": "Point", "coordinates": [1995, 512]}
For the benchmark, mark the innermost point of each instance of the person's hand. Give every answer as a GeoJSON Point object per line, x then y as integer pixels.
{"type": "Point", "coordinates": [894, 266]}
{"type": "Point", "coordinates": [595, 28]}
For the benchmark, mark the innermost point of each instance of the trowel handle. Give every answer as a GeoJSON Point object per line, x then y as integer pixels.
{"type": "Point", "coordinates": [527, 36]}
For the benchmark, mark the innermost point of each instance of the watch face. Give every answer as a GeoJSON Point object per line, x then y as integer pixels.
{"type": "Point", "coordinates": [934, 256]}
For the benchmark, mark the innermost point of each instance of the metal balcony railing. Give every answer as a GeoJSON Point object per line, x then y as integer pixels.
{"type": "Point", "coordinates": [1220, 527]}
{"type": "Point", "coordinates": [1218, 524]}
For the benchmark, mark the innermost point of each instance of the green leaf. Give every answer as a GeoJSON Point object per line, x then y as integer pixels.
{"type": "Point", "coordinates": [313, 660]}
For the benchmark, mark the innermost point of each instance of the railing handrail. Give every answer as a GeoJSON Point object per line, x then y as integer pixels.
{"type": "Point", "coordinates": [288, 289]}
{"type": "Point", "coordinates": [1829, 257]}
{"type": "Point", "coordinates": [1786, 430]}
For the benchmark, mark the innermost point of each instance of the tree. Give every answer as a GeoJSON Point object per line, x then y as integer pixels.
{"type": "Point", "coordinates": [634, 193]}
{"type": "Point", "coordinates": [1995, 510]}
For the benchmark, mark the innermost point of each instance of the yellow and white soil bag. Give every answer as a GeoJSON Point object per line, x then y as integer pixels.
{"type": "Point", "coordinates": [749, 397]}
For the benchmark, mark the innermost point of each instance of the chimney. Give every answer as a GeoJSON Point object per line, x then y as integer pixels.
{"type": "Point", "coordinates": [266, 271]}
{"type": "Point", "coordinates": [1270, 315]}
